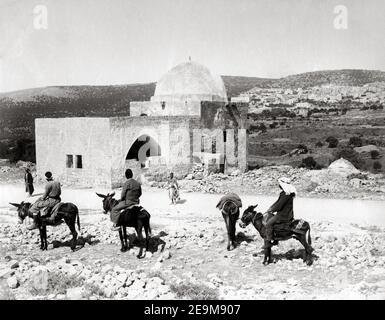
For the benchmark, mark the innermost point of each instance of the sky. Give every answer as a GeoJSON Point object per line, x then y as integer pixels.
{"type": "Point", "coordinates": [104, 42]}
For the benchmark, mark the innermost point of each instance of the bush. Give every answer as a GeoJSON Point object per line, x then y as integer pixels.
{"type": "Point", "coordinates": [259, 127]}
{"type": "Point", "coordinates": [333, 142]}
{"type": "Point", "coordinates": [319, 144]}
{"type": "Point", "coordinates": [377, 166]}
{"type": "Point", "coordinates": [273, 125]}
{"type": "Point", "coordinates": [308, 163]}
{"type": "Point", "coordinates": [374, 154]}
{"type": "Point", "coordinates": [194, 291]}
{"type": "Point", "coordinates": [355, 142]}
{"type": "Point", "coordinates": [303, 148]}
{"type": "Point", "coordinates": [349, 154]}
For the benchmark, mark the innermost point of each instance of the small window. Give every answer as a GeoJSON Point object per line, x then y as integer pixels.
{"type": "Point", "coordinates": [79, 162]}
{"type": "Point", "coordinates": [70, 161]}
{"type": "Point", "coordinates": [224, 135]}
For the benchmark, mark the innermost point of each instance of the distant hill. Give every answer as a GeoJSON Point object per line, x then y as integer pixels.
{"type": "Point", "coordinates": [19, 109]}
{"type": "Point", "coordinates": [347, 77]}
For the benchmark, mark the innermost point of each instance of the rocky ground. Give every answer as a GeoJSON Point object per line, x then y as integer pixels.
{"type": "Point", "coordinates": [187, 259]}
{"type": "Point", "coordinates": [325, 183]}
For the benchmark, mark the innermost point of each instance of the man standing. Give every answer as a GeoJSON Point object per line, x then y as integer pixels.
{"type": "Point", "coordinates": [173, 184]}
{"type": "Point", "coordinates": [28, 182]}
{"type": "Point", "coordinates": [131, 193]}
{"type": "Point", "coordinates": [50, 198]}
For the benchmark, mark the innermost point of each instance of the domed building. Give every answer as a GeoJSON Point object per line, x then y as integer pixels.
{"type": "Point", "coordinates": [190, 81]}
{"type": "Point", "coordinates": [189, 120]}
{"type": "Point", "coordinates": [181, 90]}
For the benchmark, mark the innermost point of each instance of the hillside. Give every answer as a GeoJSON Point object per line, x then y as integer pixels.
{"type": "Point", "coordinates": [347, 77]}
{"type": "Point", "coordinates": [19, 109]}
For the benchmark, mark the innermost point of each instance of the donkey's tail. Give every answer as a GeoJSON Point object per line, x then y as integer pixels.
{"type": "Point", "coordinates": [308, 236]}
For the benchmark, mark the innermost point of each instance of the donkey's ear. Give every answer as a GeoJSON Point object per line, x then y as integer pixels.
{"type": "Point", "coordinates": [255, 206]}
{"type": "Point", "coordinates": [15, 205]}
{"type": "Point", "coordinates": [112, 194]}
{"type": "Point", "coordinates": [101, 195]}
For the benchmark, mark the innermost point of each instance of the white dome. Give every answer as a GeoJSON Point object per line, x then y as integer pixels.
{"type": "Point", "coordinates": [190, 81]}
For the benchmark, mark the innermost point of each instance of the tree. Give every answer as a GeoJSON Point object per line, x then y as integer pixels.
{"type": "Point", "coordinates": [333, 142]}
{"type": "Point", "coordinates": [355, 141]}
{"type": "Point", "coordinates": [309, 163]}
{"type": "Point", "coordinates": [374, 154]}
{"type": "Point", "coordinates": [377, 166]}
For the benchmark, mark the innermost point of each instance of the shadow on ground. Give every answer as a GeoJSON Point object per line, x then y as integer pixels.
{"type": "Point", "coordinates": [80, 241]}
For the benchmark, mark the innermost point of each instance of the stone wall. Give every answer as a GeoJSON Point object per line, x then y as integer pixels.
{"type": "Point", "coordinates": [171, 133]}
{"type": "Point", "coordinates": [88, 137]}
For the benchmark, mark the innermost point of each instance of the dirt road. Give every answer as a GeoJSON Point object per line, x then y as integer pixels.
{"type": "Point", "coordinates": [348, 238]}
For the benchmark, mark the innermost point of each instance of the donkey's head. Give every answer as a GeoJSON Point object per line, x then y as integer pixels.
{"type": "Point", "coordinates": [22, 210]}
{"type": "Point", "coordinates": [108, 201]}
{"type": "Point", "coordinates": [249, 215]}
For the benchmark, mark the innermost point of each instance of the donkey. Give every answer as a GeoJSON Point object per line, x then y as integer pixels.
{"type": "Point", "coordinates": [296, 229]}
{"type": "Point", "coordinates": [230, 213]}
{"type": "Point", "coordinates": [136, 217]}
{"type": "Point", "coordinates": [66, 211]}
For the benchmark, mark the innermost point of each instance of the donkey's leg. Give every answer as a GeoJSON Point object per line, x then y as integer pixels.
{"type": "Point", "coordinates": [146, 231]}
{"type": "Point", "coordinates": [45, 237]}
{"type": "Point", "coordinates": [232, 231]}
{"type": "Point", "coordinates": [71, 225]}
{"type": "Point", "coordinates": [308, 249]}
{"type": "Point", "coordinates": [122, 248]}
{"type": "Point", "coordinates": [41, 238]}
{"type": "Point", "coordinates": [267, 252]}
{"type": "Point", "coordinates": [227, 222]}
{"type": "Point", "coordinates": [140, 238]}
{"type": "Point", "coordinates": [125, 238]}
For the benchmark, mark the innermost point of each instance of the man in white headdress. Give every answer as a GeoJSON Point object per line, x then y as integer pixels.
{"type": "Point", "coordinates": [283, 206]}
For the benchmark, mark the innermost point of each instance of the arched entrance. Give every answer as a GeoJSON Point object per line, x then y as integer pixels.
{"type": "Point", "coordinates": [143, 149]}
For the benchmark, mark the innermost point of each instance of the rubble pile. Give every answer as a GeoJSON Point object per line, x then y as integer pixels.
{"type": "Point", "coordinates": [341, 179]}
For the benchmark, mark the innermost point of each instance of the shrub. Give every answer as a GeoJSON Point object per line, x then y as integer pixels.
{"type": "Point", "coordinates": [333, 142]}
{"type": "Point", "coordinates": [374, 154]}
{"type": "Point", "coordinates": [349, 154]}
{"type": "Point", "coordinates": [194, 291]}
{"type": "Point", "coordinates": [377, 166]}
{"type": "Point", "coordinates": [319, 144]}
{"type": "Point", "coordinates": [273, 125]}
{"type": "Point", "coordinates": [259, 127]}
{"type": "Point", "coordinates": [355, 142]}
{"type": "Point", "coordinates": [303, 147]}
{"type": "Point", "coordinates": [308, 163]}
{"type": "Point", "coordinates": [58, 283]}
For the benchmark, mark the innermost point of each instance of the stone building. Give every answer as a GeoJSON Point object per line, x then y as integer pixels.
{"type": "Point", "coordinates": [188, 120]}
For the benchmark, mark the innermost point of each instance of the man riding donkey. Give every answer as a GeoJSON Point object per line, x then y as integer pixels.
{"type": "Point", "coordinates": [284, 208]}
{"type": "Point", "coordinates": [49, 199]}
{"type": "Point", "coordinates": [131, 193]}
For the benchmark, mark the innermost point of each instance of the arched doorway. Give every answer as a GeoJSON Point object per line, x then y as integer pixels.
{"type": "Point", "coordinates": [143, 149]}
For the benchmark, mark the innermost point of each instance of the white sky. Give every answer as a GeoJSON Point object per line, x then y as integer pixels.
{"type": "Point", "coordinates": [94, 42]}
